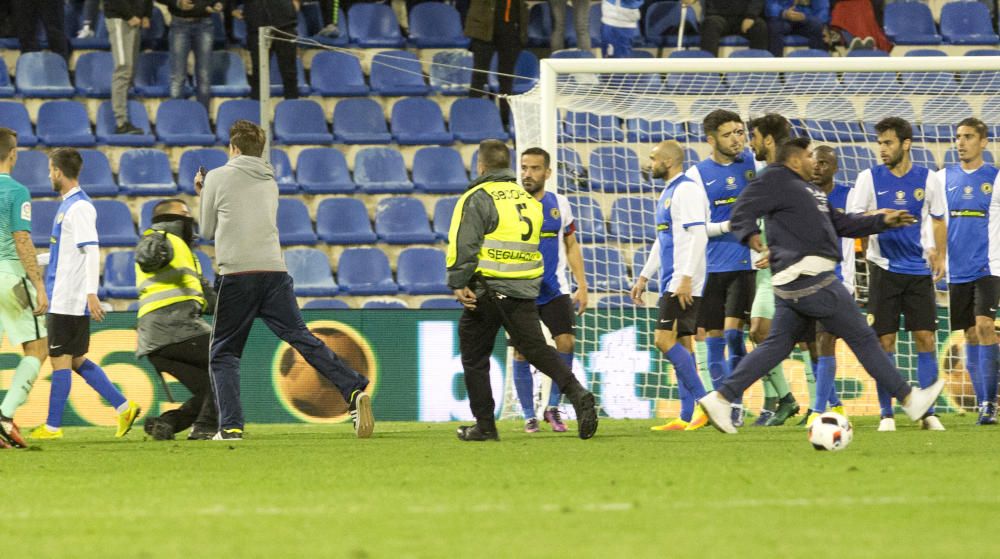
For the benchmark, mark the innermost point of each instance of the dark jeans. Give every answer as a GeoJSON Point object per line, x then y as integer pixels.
{"type": "Point", "coordinates": [836, 310]}
{"type": "Point", "coordinates": [50, 12]}
{"type": "Point", "coordinates": [778, 29]}
{"type": "Point", "coordinates": [269, 296]}
{"type": "Point", "coordinates": [507, 44]}
{"type": "Point", "coordinates": [285, 53]}
{"type": "Point", "coordinates": [477, 331]}
{"type": "Point", "coordinates": [187, 361]}
{"type": "Point", "coordinates": [715, 27]}
{"type": "Point", "coordinates": [187, 34]}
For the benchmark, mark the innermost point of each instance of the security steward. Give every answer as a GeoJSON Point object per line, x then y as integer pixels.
{"type": "Point", "coordinates": [173, 293]}
{"type": "Point", "coordinates": [495, 270]}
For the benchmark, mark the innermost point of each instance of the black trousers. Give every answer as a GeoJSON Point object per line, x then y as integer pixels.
{"type": "Point", "coordinates": [715, 27]}
{"type": "Point", "coordinates": [187, 361]}
{"type": "Point", "coordinates": [507, 44]}
{"type": "Point", "coordinates": [477, 331]}
{"type": "Point", "coordinates": [286, 55]}
{"type": "Point", "coordinates": [28, 12]}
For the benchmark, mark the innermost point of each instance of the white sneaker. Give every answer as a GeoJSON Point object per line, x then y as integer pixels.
{"type": "Point", "coordinates": [921, 399]}
{"type": "Point", "coordinates": [719, 412]}
{"type": "Point", "coordinates": [85, 33]}
{"type": "Point", "coordinates": [932, 423]}
{"type": "Point", "coordinates": [887, 424]}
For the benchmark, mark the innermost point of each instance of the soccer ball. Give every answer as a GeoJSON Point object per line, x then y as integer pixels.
{"type": "Point", "coordinates": [831, 431]}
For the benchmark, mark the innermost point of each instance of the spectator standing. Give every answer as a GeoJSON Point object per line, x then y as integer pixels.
{"type": "Point", "coordinates": [27, 14]}
{"type": "Point", "coordinates": [88, 10]}
{"type": "Point", "coordinates": [732, 17]}
{"type": "Point", "coordinates": [807, 18]}
{"type": "Point", "coordinates": [191, 29]}
{"type": "Point", "coordinates": [581, 20]}
{"type": "Point", "coordinates": [283, 16]}
{"type": "Point", "coordinates": [126, 19]}
{"type": "Point", "coordinates": [496, 26]}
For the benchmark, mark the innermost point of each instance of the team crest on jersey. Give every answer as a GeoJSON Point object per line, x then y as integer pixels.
{"type": "Point", "coordinates": [730, 183]}
{"type": "Point", "coordinates": [918, 194]}
{"type": "Point", "coordinates": [900, 197]}
{"type": "Point", "coordinates": [666, 204]}
{"type": "Point", "coordinates": [986, 187]}
{"type": "Point", "coordinates": [554, 212]}
{"type": "Point", "coordinates": [749, 174]}
{"type": "Point", "coordinates": [967, 192]}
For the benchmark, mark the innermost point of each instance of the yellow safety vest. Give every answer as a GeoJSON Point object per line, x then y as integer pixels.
{"type": "Point", "coordinates": [511, 250]}
{"type": "Point", "coordinates": [180, 280]}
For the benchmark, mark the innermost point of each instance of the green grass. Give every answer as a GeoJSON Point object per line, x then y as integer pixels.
{"type": "Point", "coordinates": [414, 490]}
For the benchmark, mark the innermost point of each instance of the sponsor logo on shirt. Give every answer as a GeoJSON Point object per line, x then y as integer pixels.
{"type": "Point", "coordinates": [725, 201]}
{"type": "Point", "coordinates": [900, 198]}
{"type": "Point", "coordinates": [967, 193]}
{"type": "Point", "coordinates": [730, 183]}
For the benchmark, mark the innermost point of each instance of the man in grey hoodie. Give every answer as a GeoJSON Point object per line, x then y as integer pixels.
{"type": "Point", "coordinates": [239, 207]}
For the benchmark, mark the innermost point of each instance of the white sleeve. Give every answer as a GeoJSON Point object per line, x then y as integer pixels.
{"type": "Point", "coordinates": [42, 258]}
{"type": "Point", "coordinates": [934, 201]}
{"type": "Point", "coordinates": [696, 255]}
{"type": "Point", "coordinates": [863, 199]}
{"type": "Point", "coordinates": [652, 265]}
{"type": "Point", "coordinates": [93, 268]}
{"type": "Point", "coordinates": [82, 221]}
{"type": "Point", "coordinates": [690, 205]}
{"type": "Point", "coordinates": [695, 175]}
{"type": "Point", "coordinates": [566, 210]}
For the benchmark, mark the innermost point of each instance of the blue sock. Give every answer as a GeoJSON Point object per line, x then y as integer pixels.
{"type": "Point", "coordinates": [737, 351]}
{"type": "Point", "coordinates": [62, 381]}
{"type": "Point", "coordinates": [988, 366]}
{"type": "Point", "coordinates": [525, 388]}
{"type": "Point", "coordinates": [718, 369]}
{"type": "Point", "coordinates": [884, 398]}
{"type": "Point", "coordinates": [684, 368]}
{"type": "Point", "coordinates": [99, 381]}
{"type": "Point", "coordinates": [554, 393]}
{"type": "Point", "coordinates": [972, 364]}
{"type": "Point", "coordinates": [824, 373]}
{"type": "Point", "coordinates": [687, 402]}
{"type": "Point", "coordinates": [927, 372]}
{"type": "Point", "coordinates": [832, 399]}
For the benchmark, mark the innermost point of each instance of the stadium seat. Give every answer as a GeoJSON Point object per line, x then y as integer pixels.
{"type": "Point", "coordinates": [669, 125]}
{"type": "Point", "coordinates": [283, 172]}
{"type": "Point", "coordinates": [808, 53]}
{"type": "Point", "coordinates": [694, 84]}
{"type": "Point", "coordinates": [381, 171]}
{"type": "Point", "coordinates": [924, 157]}
{"type": "Point", "coordinates": [146, 172]}
{"type": "Point", "coordinates": [294, 225]}
{"type": "Point", "coordinates": [365, 271]}
{"type": "Point", "coordinates": [402, 221]}
{"type": "Point", "coordinates": [360, 121]}
{"type": "Point", "coordinates": [742, 83]}
{"type": "Point", "coordinates": [422, 271]}
{"type": "Point", "coordinates": [300, 121]}
{"type": "Point", "coordinates": [572, 175]}
{"type": "Point", "coordinates": [119, 276]}
{"type": "Point", "coordinates": [863, 83]}
{"type": "Point", "coordinates": [311, 273]}
{"type": "Point", "coordinates": [6, 88]}
{"type": "Point", "coordinates": [323, 171]}
{"type": "Point", "coordinates": [114, 223]}
{"type": "Point", "coordinates": [540, 25]}
{"type": "Point", "coordinates": [927, 82]}
{"type": "Point", "coordinates": [526, 69]}
{"type": "Point", "coordinates": [436, 25]}
{"type": "Point", "coordinates": [192, 159]}
{"type": "Point", "coordinates": [443, 210]}
{"type": "Point", "coordinates": [451, 72]}
{"type": "Point", "coordinates": [982, 81]}
{"type": "Point", "coordinates": [232, 110]}
{"type": "Point", "coordinates": [205, 262]}
{"type": "Point", "coordinates": [806, 83]}
{"type": "Point", "coordinates": [43, 74]}
{"type": "Point", "coordinates": [474, 164]}
{"type": "Point", "coordinates": [967, 23]}
{"type": "Point", "coordinates": [910, 23]}
{"type": "Point", "coordinates": [615, 302]}
{"type": "Point", "coordinates": [146, 214]}
{"type": "Point", "coordinates": [105, 129]}
{"type": "Point", "coordinates": [278, 87]}
{"type": "Point", "coordinates": [615, 169]}
{"type": "Point", "coordinates": [833, 119]}
{"type": "Point", "coordinates": [327, 304]}
{"type": "Point", "coordinates": [938, 123]}
{"type": "Point", "coordinates": [373, 25]}
{"type": "Point", "coordinates": [951, 157]}
{"type": "Point", "coordinates": [43, 215]}
{"type": "Point", "coordinates": [32, 170]}
{"type": "Point", "coordinates": [772, 104]}
{"type": "Point", "coordinates": [605, 269]}
{"type": "Point", "coordinates": [589, 127]}
{"type": "Point", "coordinates": [418, 121]}
{"type": "Point", "coordinates": [396, 73]}
{"type": "Point", "coordinates": [384, 304]}
{"type": "Point", "coordinates": [851, 160]}
{"type": "Point", "coordinates": [96, 178]}
{"type": "Point", "coordinates": [182, 122]}
{"type": "Point", "coordinates": [14, 115]}
{"type": "Point", "coordinates": [439, 170]}
{"type": "Point", "coordinates": [474, 120]}
{"type": "Point", "coordinates": [341, 40]}
{"type": "Point", "coordinates": [64, 123]}
{"type": "Point", "coordinates": [877, 108]}
{"type": "Point", "coordinates": [632, 220]}
{"type": "Point", "coordinates": [152, 75]}
{"type": "Point", "coordinates": [228, 75]}
{"type": "Point", "coordinates": [441, 303]}
{"type": "Point", "coordinates": [589, 219]}
{"type": "Point", "coordinates": [93, 74]}
{"type": "Point", "coordinates": [662, 21]}
{"type": "Point", "coordinates": [344, 221]}
{"type": "Point", "coordinates": [639, 258]}
{"type": "Point", "coordinates": [337, 74]}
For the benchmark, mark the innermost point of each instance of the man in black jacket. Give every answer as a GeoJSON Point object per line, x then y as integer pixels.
{"type": "Point", "coordinates": [732, 17]}
{"type": "Point", "coordinates": [27, 14]}
{"type": "Point", "coordinates": [803, 248]}
{"type": "Point", "coordinates": [125, 19]}
{"type": "Point", "coordinates": [282, 15]}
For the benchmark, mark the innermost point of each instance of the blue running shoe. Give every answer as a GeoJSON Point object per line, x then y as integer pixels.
{"type": "Point", "coordinates": [763, 418]}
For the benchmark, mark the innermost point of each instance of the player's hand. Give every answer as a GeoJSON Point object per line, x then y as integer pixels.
{"type": "Point", "coordinates": [638, 289]}
{"type": "Point", "coordinates": [937, 264]}
{"type": "Point", "coordinates": [146, 23]}
{"type": "Point", "coordinates": [683, 293]}
{"type": "Point", "coordinates": [185, 4]}
{"type": "Point", "coordinates": [94, 306]}
{"type": "Point", "coordinates": [756, 244]}
{"type": "Point", "coordinates": [41, 301]}
{"type": "Point", "coordinates": [898, 218]}
{"type": "Point", "coordinates": [466, 297]}
{"type": "Point", "coordinates": [746, 25]}
{"type": "Point", "coordinates": [764, 262]}
{"type": "Point", "coordinates": [199, 182]}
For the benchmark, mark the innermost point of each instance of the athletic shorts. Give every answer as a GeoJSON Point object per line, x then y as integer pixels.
{"type": "Point", "coordinates": [972, 299]}
{"type": "Point", "coordinates": [68, 334]}
{"type": "Point", "coordinates": [671, 313]}
{"type": "Point", "coordinates": [727, 294]}
{"type": "Point", "coordinates": [891, 294]}
{"type": "Point", "coordinates": [558, 315]}
{"type": "Point", "coordinates": [17, 299]}
{"type": "Point", "coordinates": [763, 299]}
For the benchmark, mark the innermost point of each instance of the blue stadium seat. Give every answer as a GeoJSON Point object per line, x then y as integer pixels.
{"type": "Point", "coordinates": [694, 84]}
{"type": "Point", "coordinates": [877, 108]}
{"type": "Point", "coordinates": [205, 262]}
{"type": "Point", "coordinates": [397, 73]}
{"type": "Point", "coordinates": [639, 258]}
{"type": "Point", "coordinates": [337, 74]}
{"type": "Point", "coordinates": [928, 82]}
{"type": "Point", "coordinates": [146, 172]}
{"type": "Point", "coordinates": [43, 215]}
{"type": "Point", "coordinates": [401, 221]}
{"type": "Point", "coordinates": [443, 210]}
{"type": "Point", "coordinates": [278, 87]}
{"type": "Point", "coordinates": [93, 74]}
{"type": "Point", "coordinates": [808, 53]}
{"type": "Point", "coordinates": [114, 224]}
{"type": "Point", "coordinates": [863, 83]}
{"type": "Point", "coordinates": [771, 104]}
{"type": "Point", "coordinates": [605, 269]}
{"type": "Point", "coordinates": [323, 171]}
{"type": "Point", "coordinates": [967, 23]}
{"type": "Point", "coordinates": [105, 129]}
{"type": "Point", "coordinates": [572, 53]}
{"type": "Point", "coordinates": [589, 219]}
{"type": "Point", "coordinates": [64, 123]}
{"type": "Point", "coordinates": [381, 171]}
{"type": "Point", "coordinates": [192, 159]}
{"type": "Point", "coordinates": [526, 69]}
{"type": "Point", "coordinates": [924, 157]}
{"type": "Point", "coordinates": [633, 219]}
{"type": "Point", "coordinates": [119, 276]}
{"type": "Point", "coordinates": [96, 178]}
{"type": "Point", "coordinates": [833, 119]}
{"type": "Point", "coordinates": [283, 172]}
{"type": "Point", "coordinates": [982, 81]}
{"type": "Point", "coordinates": [32, 170]}
{"type": "Point", "coordinates": [232, 110]}
{"type": "Point", "coordinates": [939, 122]}
{"type": "Point", "coordinates": [6, 88]}
{"type": "Point", "coordinates": [43, 74]}
{"type": "Point", "coordinates": [327, 304]}
{"type": "Point", "coordinates": [311, 273]}
{"type": "Point", "coordinates": [589, 127]}
{"type": "Point", "coordinates": [418, 121]}
{"type": "Point", "coordinates": [441, 303]}
{"type": "Point", "coordinates": [14, 115]}
{"type": "Point", "coordinates": [807, 83]}
{"type": "Point", "coordinates": [742, 83]}
{"type": "Point", "coordinates": [294, 225]}
{"type": "Point", "coordinates": [669, 127]}
{"type": "Point", "coordinates": [382, 304]}
{"type": "Point", "coordinates": [228, 75]}
{"type": "Point", "coordinates": [300, 121]}
{"type": "Point", "coordinates": [851, 160]}
{"type": "Point", "coordinates": [146, 214]}
{"type": "Point", "coordinates": [373, 25]}
{"type": "Point", "coordinates": [451, 72]}
{"type": "Point", "coordinates": [436, 25]}
{"type": "Point", "coordinates": [572, 175]}
{"type": "Point", "coordinates": [663, 19]}
{"type": "Point", "coordinates": [615, 169]}
{"type": "Point", "coordinates": [182, 122]}
{"type": "Point", "coordinates": [439, 170]}
{"type": "Point", "coordinates": [540, 25]}
{"type": "Point", "coordinates": [344, 221]}
{"type": "Point", "coordinates": [421, 271]}
{"type": "Point", "coordinates": [951, 157]}
{"type": "Point", "coordinates": [910, 23]}
{"type": "Point", "coordinates": [360, 121]}
{"type": "Point", "coordinates": [474, 120]}
{"type": "Point", "coordinates": [152, 75]}
{"type": "Point", "coordinates": [365, 271]}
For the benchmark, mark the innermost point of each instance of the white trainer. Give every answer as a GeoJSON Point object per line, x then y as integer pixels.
{"type": "Point", "coordinates": [921, 399]}
{"type": "Point", "coordinates": [932, 423]}
{"type": "Point", "coordinates": [887, 424]}
{"type": "Point", "coordinates": [718, 411]}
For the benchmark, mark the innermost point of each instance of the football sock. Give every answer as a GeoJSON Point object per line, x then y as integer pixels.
{"type": "Point", "coordinates": [687, 402]}
{"type": "Point", "coordinates": [684, 368]}
{"type": "Point", "coordinates": [524, 386]}
{"type": "Point", "coordinates": [810, 377]}
{"type": "Point", "coordinates": [988, 366]}
{"type": "Point", "coordinates": [780, 383]}
{"type": "Point", "coordinates": [718, 368]}
{"type": "Point", "coordinates": [824, 373]}
{"type": "Point", "coordinates": [884, 398]}
{"type": "Point", "coordinates": [972, 364]}
{"type": "Point", "coordinates": [832, 398]}
{"type": "Point", "coordinates": [927, 372]}
{"type": "Point", "coordinates": [770, 396]}
{"type": "Point", "coordinates": [737, 351]}
{"type": "Point", "coordinates": [62, 381]}
{"type": "Point", "coordinates": [99, 381]}
{"type": "Point", "coordinates": [24, 378]}
{"type": "Point", "coordinates": [554, 393]}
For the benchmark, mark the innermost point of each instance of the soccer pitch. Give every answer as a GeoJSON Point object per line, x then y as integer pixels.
{"type": "Point", "coordinates": [414, 490]}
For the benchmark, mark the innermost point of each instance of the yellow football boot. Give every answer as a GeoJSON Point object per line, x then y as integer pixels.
{"type": "Point", "coordinates": [127, 418]}
{"type": "Point", "coordinates": [698, 420]}
{"type": "Point", "coordinates": [41, 433]}
{"type": "Point", "coordinates": [675, 425]}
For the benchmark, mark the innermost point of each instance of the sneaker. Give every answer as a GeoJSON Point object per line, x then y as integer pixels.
{"type": "Point", "coordinates": [811, 418]}
{"type": "Point", "coordinates": [921, 399]}
{"type": "Point", "coordinates": [85, 32]}
{"type": "Point", "coordinates": [931, 423]}
{"type": "Point", "coordinates": [737, 415]}
{"type": "Point", "coordinates": [675, 425]}
{"type": "Point", "coordinates": [987, 414]}
{"type": "Point", "coordinates": [887, 424]}
{"type": "Point", "coordinates": [551, 417]}
{"type": "Point", "coordinates": [128, 128]}
{"type": "Point", "coordinates": [838, 409]}
{"type": "Point", "coordinates": [698, 420]}
{"type": "Point", "coordinates": [42, 433]}
{"type": "Point", "coordinates": [785, 411]}
{"type": "Point", "coordinates": [719, 412]}
{"type": "Point", "coordinates": [531, 425]}
{"type": "Point", "coordinates": [228, 435]}
{"type": "Point", "coordinates": [127, 418]}
{"type": "Point", "coordinates": [330, 31]}
{"type": "Point", "coordinates": [199, 434]}
{"type": "Point", "coordinates": [763, 418]}
{"type": "Point", "coordinates": [361, 414]}
{"type": "Point", "coordinates": [586, 413]}
{"type": "Point", "coordinates": [475, 434]}
{"type": "Point", "coordinates": [10, 433]}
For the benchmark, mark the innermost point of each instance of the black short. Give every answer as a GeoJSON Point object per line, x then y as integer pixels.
{"type": "Point", "coordinates": [671, 313]}
{"type": "Point", "coordinates": [558, 315]}
{"type": "Point", "coordinates": [727, 294]}
{"type": "Point", "coordinates": [891, 294]}
{"type": "Point", "coordinates": [68, 334]}
{"type": "Point", "coordinates": [972, 299]}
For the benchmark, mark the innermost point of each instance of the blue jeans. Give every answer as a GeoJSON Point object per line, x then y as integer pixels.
{"type": "Point", "coordinates": [778, 29]}
{"type": "Point", "coordinates": [187, 35]}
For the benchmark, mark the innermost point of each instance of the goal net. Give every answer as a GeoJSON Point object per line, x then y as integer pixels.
{"type": "Point", "coordinates": [600, 118]}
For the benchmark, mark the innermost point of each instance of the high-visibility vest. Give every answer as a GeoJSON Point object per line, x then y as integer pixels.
{"type": "Point", "coordinates": [180, 280]}
{"type": "Point", "coordinates": [511, 250]}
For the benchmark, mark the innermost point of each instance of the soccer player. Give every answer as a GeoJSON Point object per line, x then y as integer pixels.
{"type": "Point", "coordinates": [974, 259]}
{"type": "Point", "coordinates": [803, 250]}
{"type": "Point", "coordinates": [679, 254]}
{"type": "Point", "coordinates": [71, 281]}
{"type": "Point", "coordinates": [22, 294]}
{"type": "Point", "coordinates": [729, 289]}
{"type": "Point", "coordinates": [555, 306]}
{"type": "Point", "coordinates": [901, 282]}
